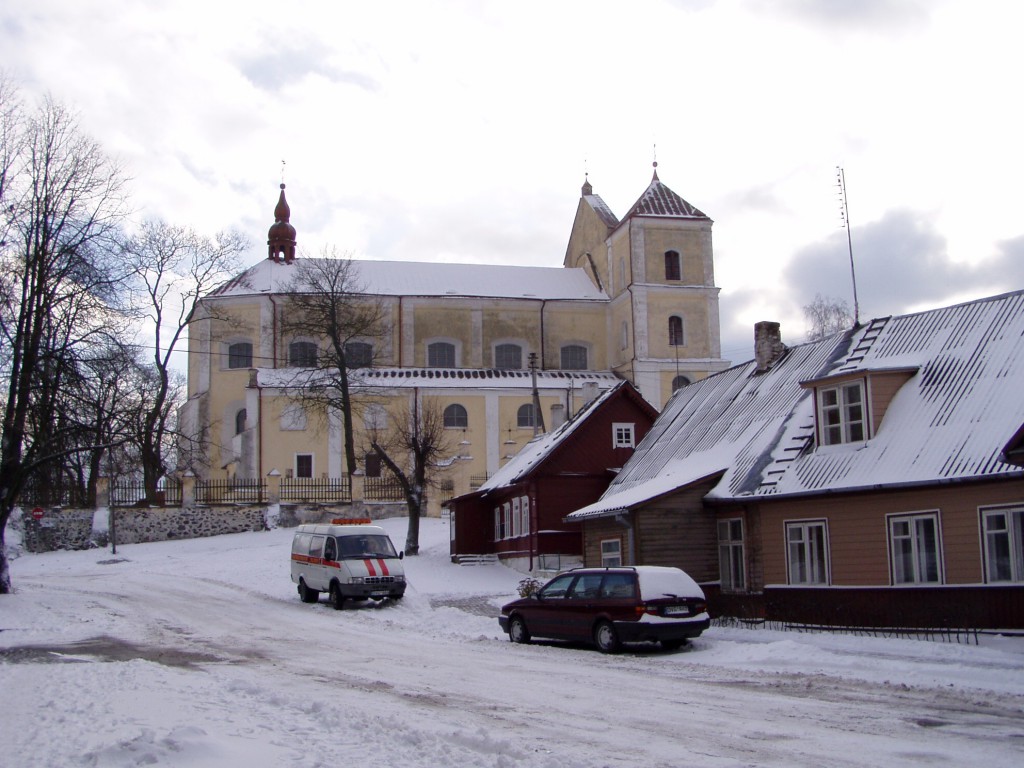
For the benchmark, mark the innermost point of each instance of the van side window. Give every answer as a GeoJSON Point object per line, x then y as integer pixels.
{"type": "Point", "coordinates": [300, 545]}
{"type": "Point", "coordinates": [316, 546]}
{"type": "Point", "coordinates": [331, 549]}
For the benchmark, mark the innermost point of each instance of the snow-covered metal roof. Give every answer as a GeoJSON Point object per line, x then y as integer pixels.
{"type": "Point", "coordinates": [949, 422]}
{"type": "Point", "coordinates": [429, 279]}
{"type": "Point", "coordinates": [603, 211]}
{"type": "Point", "coordinates": [442, 378]}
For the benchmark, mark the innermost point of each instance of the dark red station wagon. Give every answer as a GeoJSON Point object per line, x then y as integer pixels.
{"type": "Point", "coordinates": [611, 606]}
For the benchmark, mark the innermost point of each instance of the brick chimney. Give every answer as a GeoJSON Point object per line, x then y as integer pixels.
{"type": "Point", "coordinates": [768, 346]}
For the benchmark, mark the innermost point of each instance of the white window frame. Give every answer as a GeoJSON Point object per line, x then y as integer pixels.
{"type": "Point", "coordinates": [732, 563]}
{"type": "Point", "coordinates": [611, 553]}
{"type": "Point", "coordinates": [524, 510]}
{"type": "Point", "coordinates": [517, 520]}
{"type": "Point", "coordinates": [1003, 547]}
{"type": "Point", "coordinates": [838, 421]}
{"type": "Point", "coordinates": [908, 547]}
{"type": "Point", "coordinates": [623, 435]}
{"type": "Point", "coordinates": [807, 555]}
{"type": "Point", "coordinates": [506, 510]}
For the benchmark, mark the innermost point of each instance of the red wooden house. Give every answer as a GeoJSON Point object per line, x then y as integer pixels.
{"type": "Point", "coordinates": [519, 514]}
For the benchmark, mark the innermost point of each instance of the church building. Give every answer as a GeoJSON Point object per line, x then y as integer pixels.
{"type": "Point", "coordinates": [503, 351]}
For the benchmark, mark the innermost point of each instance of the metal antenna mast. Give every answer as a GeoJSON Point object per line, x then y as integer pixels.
{"type": "Point", "coordinates": [844, 212]}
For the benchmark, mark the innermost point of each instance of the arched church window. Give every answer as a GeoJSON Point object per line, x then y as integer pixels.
{"type": "Point", "coordinates": [508, 357]}
{"type": "Point", "coordinates": [302, 354]}
{"type": "Point", "coordinates": [441, 354]}
{"type": "Point", "coordinates": [240, 421]}
{"type": "Point", "coordinates": [526, 416]}
{"type": "Point", "coordinates": [675, 331]}
{"type": "Point", "coordinates": [673, 269]}
{"type": "Point", "coordinates": [574, 357]}
{"type": "Point", "coordinates": [240, 355]}
{"type": "Point", "coordinates": [455, 416]}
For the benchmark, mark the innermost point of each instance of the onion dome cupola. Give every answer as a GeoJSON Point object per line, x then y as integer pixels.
{"type": "Point", "coordinates": [281, 237]}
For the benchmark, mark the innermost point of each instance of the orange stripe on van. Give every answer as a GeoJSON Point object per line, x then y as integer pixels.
{"type": "Point", "coordinates": [383, 567]}
{"type": "Point", "coordinates": [369, 567]}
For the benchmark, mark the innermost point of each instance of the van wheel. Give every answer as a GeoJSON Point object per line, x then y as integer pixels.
{"type": "Point", "coordinates": [337, 600]}
{"type": "Point", "coordinates": [306, 594]}
{"type": "Point", "coordinates": [517, 631]}
{"type": "Point", "coordinates": [605, 638]}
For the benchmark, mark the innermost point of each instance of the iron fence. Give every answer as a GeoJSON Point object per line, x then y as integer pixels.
{"type": "Point", "coordinates": [132, 493]}
{"type": "Point", "coordinates": [231, 491]}
{"type": "Point", "coordinates": [309, 489]}
{"type": "Point", "coordinates": [383, 488]}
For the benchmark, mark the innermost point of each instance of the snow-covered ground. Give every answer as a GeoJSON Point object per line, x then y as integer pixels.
{"type": "Point", "coordinates": [199, 653]}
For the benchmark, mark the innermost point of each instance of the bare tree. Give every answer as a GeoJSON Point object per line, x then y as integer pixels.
{"type": "Point", "coordinates": [173, 268]}
{"type": "Point", "coordinates": [62, 202]}
{"type": "Point", "coordinates": [414, 445]}
{"type": "Point", "coordinates": [326, 300]}
{"type": "Point", "coordinates": [825, 316]}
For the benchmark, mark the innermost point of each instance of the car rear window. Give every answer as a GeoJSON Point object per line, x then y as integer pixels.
{"type": "Point", "coordinates": [658, 583]}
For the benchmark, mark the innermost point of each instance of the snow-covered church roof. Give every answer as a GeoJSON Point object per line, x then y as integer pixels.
{"type": "Point", "coordinates": [428, 279]}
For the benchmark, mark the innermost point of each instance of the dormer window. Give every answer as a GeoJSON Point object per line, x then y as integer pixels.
{"type": "Point", "coordinates": [841, 413]}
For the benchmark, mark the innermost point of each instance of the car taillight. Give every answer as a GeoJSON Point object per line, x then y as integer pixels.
{"type": "Point", "coordinates": [700, 606]}
{"type": "Point", "coordinates": [642, 609]}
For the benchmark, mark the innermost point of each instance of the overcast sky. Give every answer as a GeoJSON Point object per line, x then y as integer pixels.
{"type": "Point", "coordinates": [461, 131]}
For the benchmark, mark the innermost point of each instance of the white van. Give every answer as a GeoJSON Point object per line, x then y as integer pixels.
{"type": "Point", "coordinates": [349, 560]}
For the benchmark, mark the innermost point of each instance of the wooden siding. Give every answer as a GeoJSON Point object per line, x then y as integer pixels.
{"type": "Point", "coordinates": [858, 530]}
{"type": "Point", "coordinates": [883, 388]}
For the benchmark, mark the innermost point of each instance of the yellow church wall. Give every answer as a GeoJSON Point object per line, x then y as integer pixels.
{"type": "Point", "coordinates": [689, 243]}
{"type": "Point", "coordinates": [693, 310]}
{"type": "Point", "coordinates": [576, 323]}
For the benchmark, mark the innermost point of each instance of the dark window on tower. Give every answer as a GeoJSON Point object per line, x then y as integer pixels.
{"type": "Point", "coordinates": [672, 270]}
{"type": "Point", "coordinates": [675, 331]}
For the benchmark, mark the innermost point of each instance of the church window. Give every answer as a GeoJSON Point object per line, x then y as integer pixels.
{"type": "Point", "coordinates": [455, 416]}
{"type": "Point", "coordinates": [240, 355]}
{"type": "Point", "coordinates": [675, 331]}
{"type": "Point", "coordinates": [508, 356]}
{"type": "Point", "coordinates": [527, 416]}
{"type": "Point", "coordinates": [679, 382]}
{"type": "Point", "coordinates": [672, 268]}
{"type": "Point", "coordinates": [624, 340]}
{"type": "Point", "coordinates": [302, 354]}
{"type": "Point", "coordinates": [240, 422]}
{"type": "Point", "coordinates": [574, 357]}
{"type": "Point", "coordinates": [441, 354]}
{"type": "Point", "coordinates": [358, 354]}
{"type": "Point", "coordinates": [375, 418]}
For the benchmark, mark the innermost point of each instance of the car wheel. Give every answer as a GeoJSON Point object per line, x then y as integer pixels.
{"type": "Point", "coordinates": [605, 637]}
{"type": "Point", "coordinates": [673, 645]}
{"type": "Point", "coordinates": [306, 594]}
{"type": "Point", "coordinates": [517, 631]}
{"type": "Point", "coordinates": [337, 600]}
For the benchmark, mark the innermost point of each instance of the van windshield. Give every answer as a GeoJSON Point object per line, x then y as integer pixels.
{"type": "Point", "coordinates": [365, 546]}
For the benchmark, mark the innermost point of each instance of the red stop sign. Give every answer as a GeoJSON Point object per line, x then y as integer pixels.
{"type": "Point", "coordinates": [37, 512]}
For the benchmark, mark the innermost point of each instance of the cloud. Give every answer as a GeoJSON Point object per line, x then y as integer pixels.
{"type": "Point", "coordinates": [902, 264]}
{"type": "Point", "coordinates": [278, 68]}
{"type": "Point", "coordinates": [846, 15]}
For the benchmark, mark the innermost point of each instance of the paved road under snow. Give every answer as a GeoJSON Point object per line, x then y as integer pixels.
{"type": "Point", "coordinates": [205, 656]}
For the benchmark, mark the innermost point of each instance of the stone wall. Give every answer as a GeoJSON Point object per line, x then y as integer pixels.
{"type": "Point", "coordinates": [58, 529]}
{"type": "Point", "coordinates": [135, 526]}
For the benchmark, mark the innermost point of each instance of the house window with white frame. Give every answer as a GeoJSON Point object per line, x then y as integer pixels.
{"type": "Point", "coordinates": [730, 555]}
{"type": "Point", "coordinates": [1003, 531]}
{"type": "Point", "coordinates": [524, 510]}
{"type": "Point", "coordinates": [914, 548]}
{"type": "Point", "coordinates": [517, 519]}
{"type": "Point", "coordinates": [506, 525]}
{"type": "Point", "coordinates": [807, 552]}
{"type": "Point", "coordinates": [841, 414]}
{"type": "Point", "coordinates": [497, 524]}
{"type": "Point", "coordinates": [611, 553]}
{"type": "Point", "coordinates": [623, 435]}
